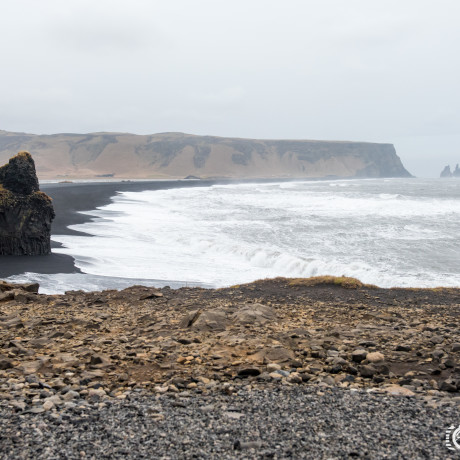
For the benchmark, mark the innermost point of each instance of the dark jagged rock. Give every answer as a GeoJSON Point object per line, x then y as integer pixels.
{"type": "Point", "coordinates": [446, 172]}
{"type": "Point", "coordinates": [25, 212]}
{"type": "Point", "coordinates": [19, 176]}
{"type": "Point", "coordinates": [456, 172]}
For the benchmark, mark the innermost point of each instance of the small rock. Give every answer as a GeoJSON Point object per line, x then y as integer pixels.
{"type": "Point", "coordinates": [367, 371]}
{"type": "Point", "coordinates": [295, 377]}
{"type": "Point", "coordinates": [437, 339]}
{"type": "Point", "coordinates": [275, 376]}
{"type": "Point", "coordinates": [272, 367]}
{"type": "Point", "coordinates": [456, 347]}
{"type": "Point", "coordinates": [5, 364]}
{"type": "Point", "coordinates": [249, 372]}
{"type": "Point", "coordinates": [70, 395]}
{"type": "Point", "coordinates": [48, 405]}
{"type": "Point", "coordinates": [184, 341]}
{"type": "Point", "coordinates": [375, 357]}
{"type": "Point", "coordinates": [359, 355]}
{"type": "Point", "coordinates": [96, 393]}
{"type": "Point", "coordinates": [160, 390]}
{"type": "Point", "coordinates": [437, 354]}
{"type": "Point", "coordinates": [36, 410]}
{"type": "Point", "coordinates": [398, 390]}
{"type": "Point", "coordinates": [448, 385]}
{"type": "Point", "coordinates": [405, 348]}
{"type": "Point", "coordinates": [100, 360]}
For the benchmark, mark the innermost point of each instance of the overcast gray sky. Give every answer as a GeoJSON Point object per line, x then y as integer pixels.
{"type": "Point", "coordinates": [370, 70]}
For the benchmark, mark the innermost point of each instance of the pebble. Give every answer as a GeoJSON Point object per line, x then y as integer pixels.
{"type": "Point", "coordinates": [437, 339]}
{"type": "Point", "coordinates": [48, 405]}
{"type": "Point", "coordinates": [272, 367]}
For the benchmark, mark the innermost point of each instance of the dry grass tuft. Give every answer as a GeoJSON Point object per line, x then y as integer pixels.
{"type": "Point", "coordinates": [342, 281]}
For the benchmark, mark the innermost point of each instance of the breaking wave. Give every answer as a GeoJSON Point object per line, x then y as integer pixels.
{"type": "Point", "coordinates": [384, 232]}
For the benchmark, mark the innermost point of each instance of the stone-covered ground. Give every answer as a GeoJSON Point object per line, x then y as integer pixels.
{"type": "Point", "coordinates": [380, 356]}
{"type": "Point", "coordinates": [283, 422]}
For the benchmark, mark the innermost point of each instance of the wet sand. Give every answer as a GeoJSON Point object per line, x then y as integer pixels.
{"type": "Point", "coordinates": [69, 200]}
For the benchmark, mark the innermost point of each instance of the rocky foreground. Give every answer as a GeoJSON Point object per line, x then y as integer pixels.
{"type": "Point", "coordinates": [68, 357]}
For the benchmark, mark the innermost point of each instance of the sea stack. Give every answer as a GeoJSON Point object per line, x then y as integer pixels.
{"type": "Point", "coordinates": [26, 213]}
{"type": "Point", "coordinates": [446, 172]}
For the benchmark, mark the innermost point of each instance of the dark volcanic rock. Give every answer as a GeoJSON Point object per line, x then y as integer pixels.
{"type": "Point", "coordinates": [25, 212]}
{"type": "Point", "coordinates": [18, 176]}
{"type": "Point", "coordinates": [446, 172]}
{"type": "Point", "coordinates": [456, 172]}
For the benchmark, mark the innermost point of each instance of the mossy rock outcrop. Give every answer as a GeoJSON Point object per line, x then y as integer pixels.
{"type": "Point", "coordinates": [26, 213]}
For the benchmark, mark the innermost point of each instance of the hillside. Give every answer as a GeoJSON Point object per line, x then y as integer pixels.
{"type": "Point", "coordinates": [177, 155]}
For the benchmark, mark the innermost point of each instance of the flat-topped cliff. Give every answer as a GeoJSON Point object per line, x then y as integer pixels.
{"type": "Point", "coordinates": [25, 212]}
{"type": "Point", "coordinates": [178, 155]}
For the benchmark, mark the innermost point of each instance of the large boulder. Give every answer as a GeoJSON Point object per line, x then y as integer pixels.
{"type": "Point", "coordinates": [25, 212]}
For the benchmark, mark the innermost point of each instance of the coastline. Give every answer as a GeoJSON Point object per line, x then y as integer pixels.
{"type": "Point", "coordinates": [69, 201]}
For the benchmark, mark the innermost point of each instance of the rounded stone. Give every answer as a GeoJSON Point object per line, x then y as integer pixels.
{"type": "Point", "coordinates": [375, 357]}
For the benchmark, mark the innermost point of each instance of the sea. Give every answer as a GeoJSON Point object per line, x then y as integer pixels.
{"type": "Point", "coordinates": [386, 232]}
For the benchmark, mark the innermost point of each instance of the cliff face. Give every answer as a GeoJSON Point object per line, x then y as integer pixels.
{"type": "Point", "coordinates": [177, 155]}
{"type": "Point", "coordinates": [25, 212]}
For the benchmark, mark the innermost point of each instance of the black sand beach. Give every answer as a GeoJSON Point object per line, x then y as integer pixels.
{"type": "Point", "coordinates": [69, 200]}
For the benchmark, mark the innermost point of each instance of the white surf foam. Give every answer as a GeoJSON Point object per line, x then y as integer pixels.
{"type": "Point", "coordinates": [383, 232]}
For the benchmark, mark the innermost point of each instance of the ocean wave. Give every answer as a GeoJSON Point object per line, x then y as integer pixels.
{"type": "Point", "coordinates": [223, 235]}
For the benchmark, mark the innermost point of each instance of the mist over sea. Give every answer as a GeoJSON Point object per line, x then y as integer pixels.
{"type": "Point", "coordinates": [388, 232]}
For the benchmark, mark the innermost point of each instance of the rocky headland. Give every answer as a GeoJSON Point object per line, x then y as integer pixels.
{"type": "Point", "coordinates": [179, 155]}
{"type": "Point", "coordinates": [25, 212]}
{"type": "Point", "coordinates": [304, 368]}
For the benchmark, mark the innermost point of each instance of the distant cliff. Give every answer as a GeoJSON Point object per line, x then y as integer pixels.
{"type": "Point", "coordinates": [446, 172]}
{"type": "Point", "coordinates": [25, 212]}
{"type": "Point", "coordinates": [177, 155]}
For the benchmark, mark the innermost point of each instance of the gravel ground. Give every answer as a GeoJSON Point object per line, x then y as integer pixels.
{"type": "Point", "coordinates": [297, 422]}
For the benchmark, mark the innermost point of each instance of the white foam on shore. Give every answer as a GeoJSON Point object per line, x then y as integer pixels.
{"type": "Point", "coordinates": [384, 232]}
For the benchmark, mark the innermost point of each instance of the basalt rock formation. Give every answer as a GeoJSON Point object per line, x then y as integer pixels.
{"type": "Point", "coordinates": [179, 155]}
{"type": "Point", "coordinates": [25, 212]}
{"type": "Point", "coordinates": [446, 172]}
